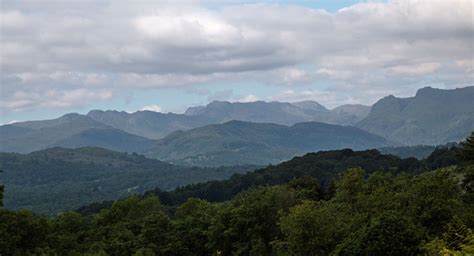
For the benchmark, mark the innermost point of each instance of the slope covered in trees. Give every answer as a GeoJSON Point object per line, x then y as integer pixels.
{"type": "Point", "coordinates": [323, 166]}
{"type": "Point", "coordinates": [429, 213]}
{"type": "Point", "coordinates": [58, 179]}
{"type": "Point", "coordinates": [363, 213]}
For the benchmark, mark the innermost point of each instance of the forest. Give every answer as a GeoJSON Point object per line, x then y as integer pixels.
{"type": "Point", "coordinates": [371, 209]}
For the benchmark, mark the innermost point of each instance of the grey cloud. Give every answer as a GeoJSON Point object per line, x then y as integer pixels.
{"type": "Point", "coordinates": [74, 46]}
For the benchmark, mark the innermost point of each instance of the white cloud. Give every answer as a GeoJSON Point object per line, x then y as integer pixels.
{"type": "Point", "coordinates": [27, 100]}
{"type": "Point", "coordinates": [417, 69]}
{"type": "Point", "coordinates": [84, 47]}
{"type": "Point", "coordinates": [10, 122]}
{"type": "Point", "coordinates": [153, 107]}
{"type": "Point", "coordinates": [249, 98]}
{"type": "Point", "coordinates": [324, 97]}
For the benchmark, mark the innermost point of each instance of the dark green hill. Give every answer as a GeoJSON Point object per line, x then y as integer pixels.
{"type": "Point", "coordinates": [58, 179]}
{"type": "Point", "coordinates": [238, 142]}
{"type": "Point", "coordinates": [324, 166]}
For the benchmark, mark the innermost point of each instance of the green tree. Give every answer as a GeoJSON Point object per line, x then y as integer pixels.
{"type": "Point", "coordinates": [467, 151]}
{"type": "Point", "coordinates": [192, 220]}
{"type": "Point", "coordinates": [135, 224]}
{"type": "Point", "coordinates": [1, 195]}
{"type": "Point", "coordinates": [314, 228]}
{"type": "Point", "coordinates": [306, 187]}
{"type": "Point", "coordinates": [389, 234]}
{"type": "Point", "coordinates": [433, 199]}
{"type": "Point", "coordinates": [248, 225]}
{"type": "Point", "coordinates": [22, 233]}
{"type": "Point", "coordinates": [69, 233]}
{"type": "Point", "coordinates": [457, 239]}
{"type": "Point", "coordinates": [350, 186]}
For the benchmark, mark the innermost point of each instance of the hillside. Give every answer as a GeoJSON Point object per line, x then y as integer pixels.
{"type": "Point", "coordinates": [432, 117]}
{"type": "Point", "coordinates": [58, 179]}
{"type": "Point", "coordinates": [324, 167]}
{"type": "Point", "coordinates": [286, 209]}
{"type": "Point", "coordinates": [258, 143]}
{"type": "Point", "coordinates": [71, 131]}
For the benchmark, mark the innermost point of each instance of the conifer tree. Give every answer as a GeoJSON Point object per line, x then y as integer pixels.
{"type": "Point", "coordinates": [467, 152]}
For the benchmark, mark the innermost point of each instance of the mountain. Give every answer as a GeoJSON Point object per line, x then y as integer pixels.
{"type": "Point", "coordinates": [155, 125]}
{"type": "Point", "coordinates": [258, 143]}
{"type": "Point", "coordinates": [129, 131]}
{"type": "Point", "coordinates": [279, 112]}
{"type": "Point", "coordinates": [432, 117]}
{"type": "Point", "coordinates": [71, 130]}
{"type": "Point", "coordinates": [59, 179]}
{"type": "Point", "coordinates": [348, 114]}
{"type": "Point", "coordinates": [148, 124]}
{"type": "Point", "coordinates": [259, 111]}
{"type": "Point", "coordinates": [234, 142]}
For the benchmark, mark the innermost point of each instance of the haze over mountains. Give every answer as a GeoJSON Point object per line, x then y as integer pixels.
{"type": "Point", "coordinates": [268, 132]}
{"type": "Point", "coordinates": [157, 125]}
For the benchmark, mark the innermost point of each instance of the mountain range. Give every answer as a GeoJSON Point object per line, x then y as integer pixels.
{"type": "Point", "coordinates": [237, 142]}
{"type": "Point", "coordinates": [267, 132]}
{"type": "Point", "coordinates": [155, 125]}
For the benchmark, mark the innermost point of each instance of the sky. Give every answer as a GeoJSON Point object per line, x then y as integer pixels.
{"type": "Point", "coordinates": [58, 57]}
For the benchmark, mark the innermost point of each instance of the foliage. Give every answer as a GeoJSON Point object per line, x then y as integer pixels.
{"type": "Point", "coordinates": [313, 228]}
{"type": "Point", "coordinates": [379, 214]}
{"type": "Point", "coordinates": [1, 195]}
{"type": "Point", "coordinates": [467, 152]}
{"type": "Point", "coordinates": [58, 179]}
{"type": "Point", "coordinates": [457, 239]}
{"type": "Point", "coordinates": [374, 210]}
{"type": "Point", "coordinates": [324, 166]}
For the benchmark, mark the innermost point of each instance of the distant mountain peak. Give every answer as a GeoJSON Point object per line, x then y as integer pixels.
{"type": "Point", "coordinates": [70, 115]}
{"type": "Point", "coordinates": [433, 116]}
{"type": "Point", "coordinates": [310, 105]}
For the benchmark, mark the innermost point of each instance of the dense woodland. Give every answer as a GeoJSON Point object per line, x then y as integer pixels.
{"type": "Point", "coordinates": [59, 179]}
{"type": "Point", "coordinates": [396, 208]}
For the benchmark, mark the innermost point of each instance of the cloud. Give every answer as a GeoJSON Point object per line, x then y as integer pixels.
{"type": "Point", "coordinates": [153, 107]}
{"type": "Point", "coordinates": [418, 69]}
{"type": "Point", "coordinates": [96, 48]}
{"type": "Point", "coordinates": [27, 100]}
{"type": "Point", "coordinates": [249, 98]}
{"type": "Point", "coordinates": [10, 122]}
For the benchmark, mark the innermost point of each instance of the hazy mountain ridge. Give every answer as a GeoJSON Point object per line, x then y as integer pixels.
{"type": "Point", "coordinates": [431, 117]}
{"type": "Point", "coordinates": [70, 130]}
{"type": "Point", "coordinates": [279, 112]}
{"type": "Point", "coordinates": [149, 124]}
{"type": "Point", "coordinates": [157, 125]}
